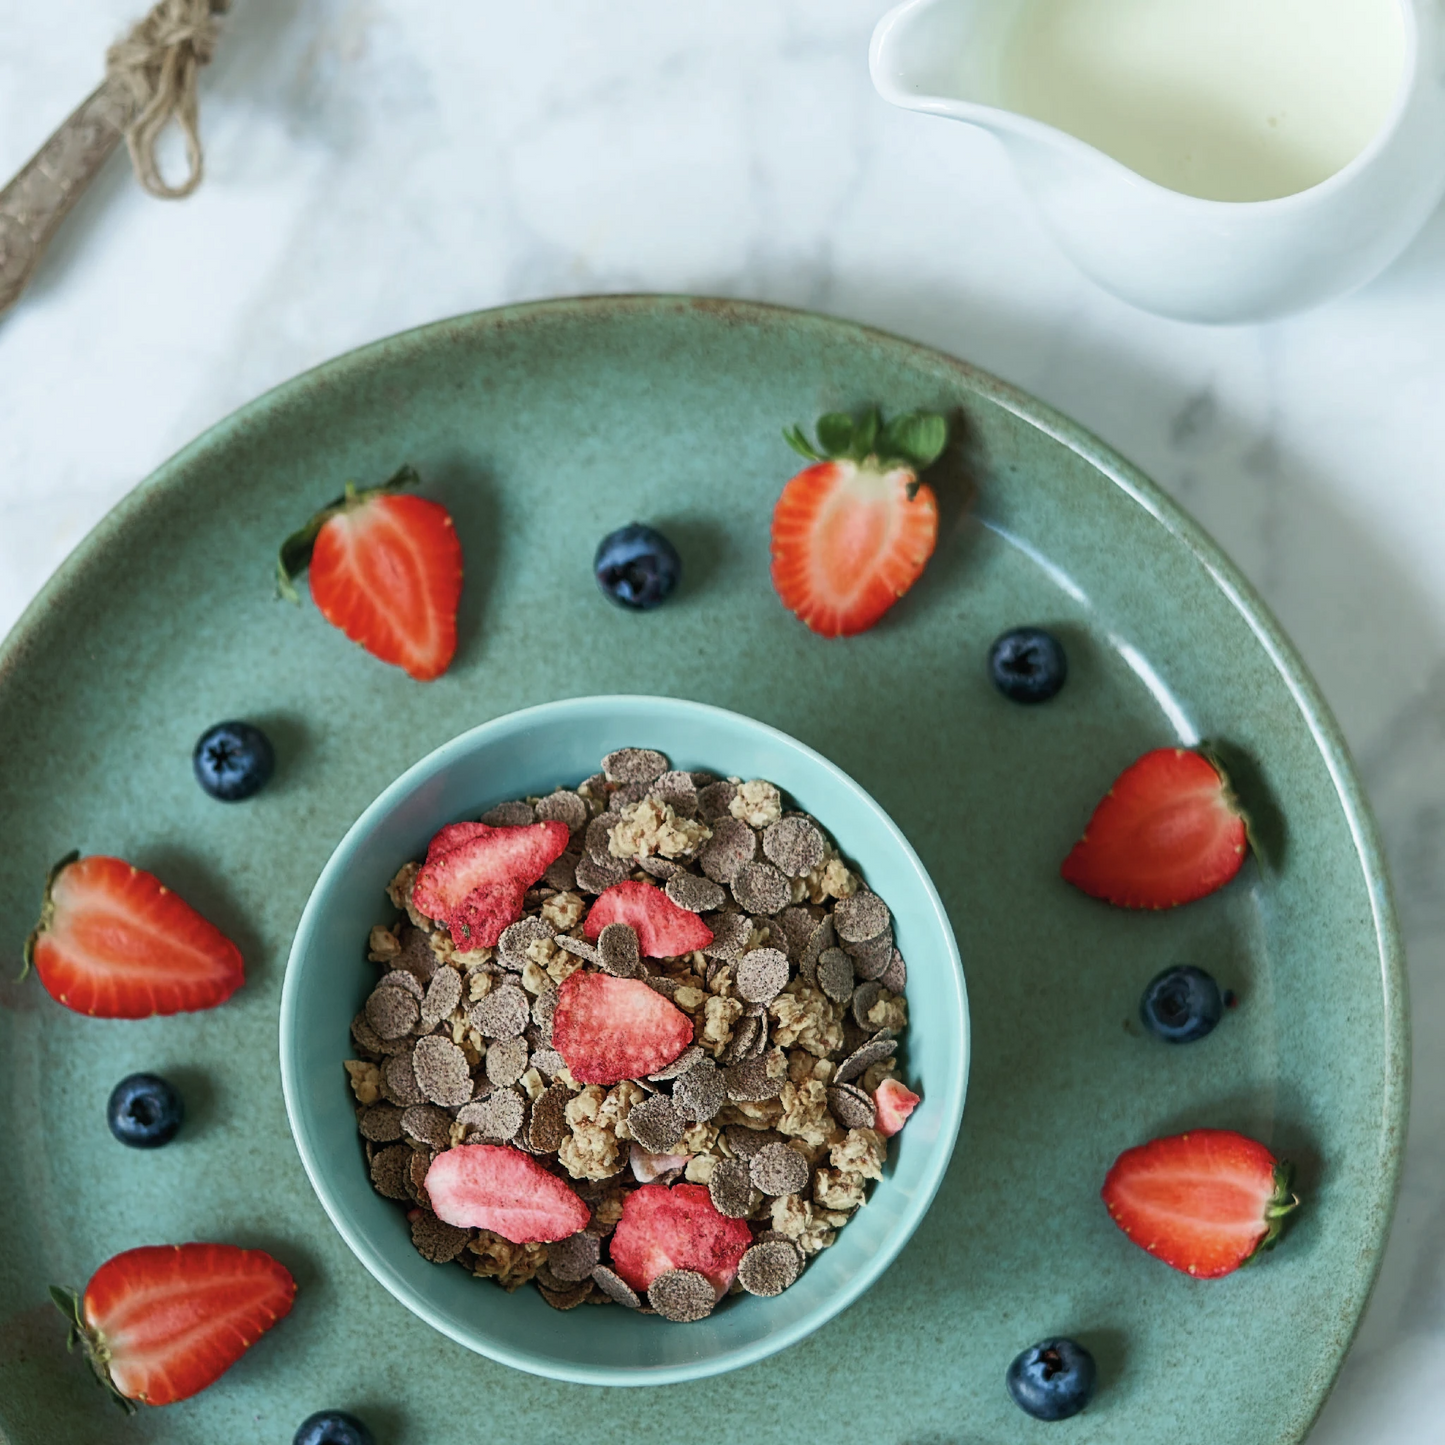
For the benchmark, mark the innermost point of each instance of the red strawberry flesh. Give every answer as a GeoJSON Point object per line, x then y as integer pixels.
{"type": "Point", "coordinates": [453, 835]}
{"type": "Point", "coordinates": [1203, 1202]}
{"type": "Point", "coordinates": [477, 881]}
{"type": "Point", "coordinates": [663, 929]}
{"type": "Point", "coordinates": [848, 540]}
{"type": "Point", "coordinates": [387, 571]}
{"type": "Point", "coordinates": [609, 1029]}
{"type": "Point", "coordinates": [115, 942]}
{"type": "Point", "coordinates": [165, 1321]}
{"type": "Point", "coordinates": [485, 1186]}
{"type": "Point", "coordinates": [893, 1102]}
{"type": "Point", "coordinates": [677, 1228]}
{"type": "Point", "coordinates": [486, 913]}
{"type": "Point", "coordinates": [1168, 832]}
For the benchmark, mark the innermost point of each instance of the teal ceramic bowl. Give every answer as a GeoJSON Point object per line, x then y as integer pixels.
{"type": "Point", "coordinates": [328, 978]}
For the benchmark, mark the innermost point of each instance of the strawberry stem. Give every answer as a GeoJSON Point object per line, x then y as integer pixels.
{"type": "Point", "coordinates": [295, 554]}
{"type": "Point", "coordinates": [67, 1301]}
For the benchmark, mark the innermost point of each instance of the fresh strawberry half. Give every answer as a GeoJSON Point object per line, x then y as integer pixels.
{"type": "Point", "coordinates": [116, 943]}
{"type": "Point", "coordinates": [893, 1102]}
{"type": "Point", "coordinates": [486, 1186]}
{"type": "Point", "coordinates": [386, 568]}
{"type": "Point", "coordinates": [609, 1029]}
{"type": "Point", "coordinates": [1169, 831]}
{"type": "Point", "coordinates": [161, 1323]}
{"type": "Point", "coordinates": [1205, 1202]}
{"type": "Point", "coordinates": [663, 929]}
{"type": "Point", "coordinates": [677, 1228]}
{"type": "Point", "coordinates": [476, 877]}
{"type": "Point", "coordinates": [853, 533]}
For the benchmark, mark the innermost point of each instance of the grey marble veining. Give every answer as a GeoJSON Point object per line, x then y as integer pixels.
{"type": "Point", "coordinates": [373, 164]}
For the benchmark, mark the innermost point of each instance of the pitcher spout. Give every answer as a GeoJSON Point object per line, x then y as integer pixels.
{"type": "Point", "coordinates": [942, 57]}
{"type": "Point", "coordinates": [947, 57]}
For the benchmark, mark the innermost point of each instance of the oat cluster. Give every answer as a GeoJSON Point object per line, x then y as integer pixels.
{"type": "Point", "coordinates": [797, 1006]}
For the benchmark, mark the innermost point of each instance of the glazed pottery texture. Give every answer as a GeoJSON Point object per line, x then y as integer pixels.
{"type": "Point", "coordinates": [328, 978]}
{"type": "Point", "coordinates": [542, 428]}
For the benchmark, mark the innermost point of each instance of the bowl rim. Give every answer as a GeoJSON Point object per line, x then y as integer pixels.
{"type": "Point", "coordinates": [951, 1092]}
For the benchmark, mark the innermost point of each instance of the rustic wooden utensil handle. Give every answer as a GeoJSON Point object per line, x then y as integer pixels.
{"type": "Point", "coordinates": [34, 204]}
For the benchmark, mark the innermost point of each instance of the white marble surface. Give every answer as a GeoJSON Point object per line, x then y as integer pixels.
{"type": "Point", "coordinates": [374, 164]}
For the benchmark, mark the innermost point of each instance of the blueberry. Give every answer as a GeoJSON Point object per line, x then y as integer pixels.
{"type": "Point", "coordinates": [144, 1111]}
{"type": "Point", "coordinates": [333, 1427]}
{"type": "Point", "coordinates": [1052, 1379]}
{"type": "Point", "coordinates": [233, 760]}
{"type": "Point", "coordinates": [637, 567]}
{"type": "Point", "coordinates": [1181, 1005]}
{"type": "Point", "coordinates": [1028, 665]}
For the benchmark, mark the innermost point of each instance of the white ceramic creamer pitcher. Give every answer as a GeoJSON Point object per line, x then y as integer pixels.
{"type": "Point", "coordinates": [1163, 250]}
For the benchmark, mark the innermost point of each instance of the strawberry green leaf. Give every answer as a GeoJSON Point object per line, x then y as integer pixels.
{"type": "Point", "coordinates": [67, 1301]}
{"type": "Point", "coordinates": [918, 437]}
{"type": "Point", "coordinates": [836, 432]}
{"type": "Point", "coordinates": [800, 444]}
{"type": "Point", "coordinates": [295, 554]}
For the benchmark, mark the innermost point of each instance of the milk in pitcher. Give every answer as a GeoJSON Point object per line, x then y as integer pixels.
{"type": "Point", "coordinates": [1231, 100]}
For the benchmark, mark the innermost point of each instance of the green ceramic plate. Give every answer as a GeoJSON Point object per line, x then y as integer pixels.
{"type": "Point", "coordinates": [541, 427]}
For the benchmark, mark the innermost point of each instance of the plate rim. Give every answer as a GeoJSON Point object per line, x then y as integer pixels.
{"type": "Point", "coordinates": [1131, 480]}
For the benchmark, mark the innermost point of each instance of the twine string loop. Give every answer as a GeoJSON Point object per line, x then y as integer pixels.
{"type": "Point", "coordinates": [158, 64]}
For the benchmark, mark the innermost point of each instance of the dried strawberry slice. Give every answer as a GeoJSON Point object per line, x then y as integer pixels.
{"type": "Point", "coordinates": [894, 1102]}
{"type": "Point", "coordinates": [485, 1186]}
{"type": "Point", "coordinates": [477, 880]}
{"type": "Point", "coordinates": [486, 913]}
{"type": "Point", "coordinates": [663, 929]}
{"type": "Point", "coordinates": [608, 1029]}
{"type": "Point", "coordinates": [453, 835]}
{"type": "Point", "coordinates": [677, 1228]}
